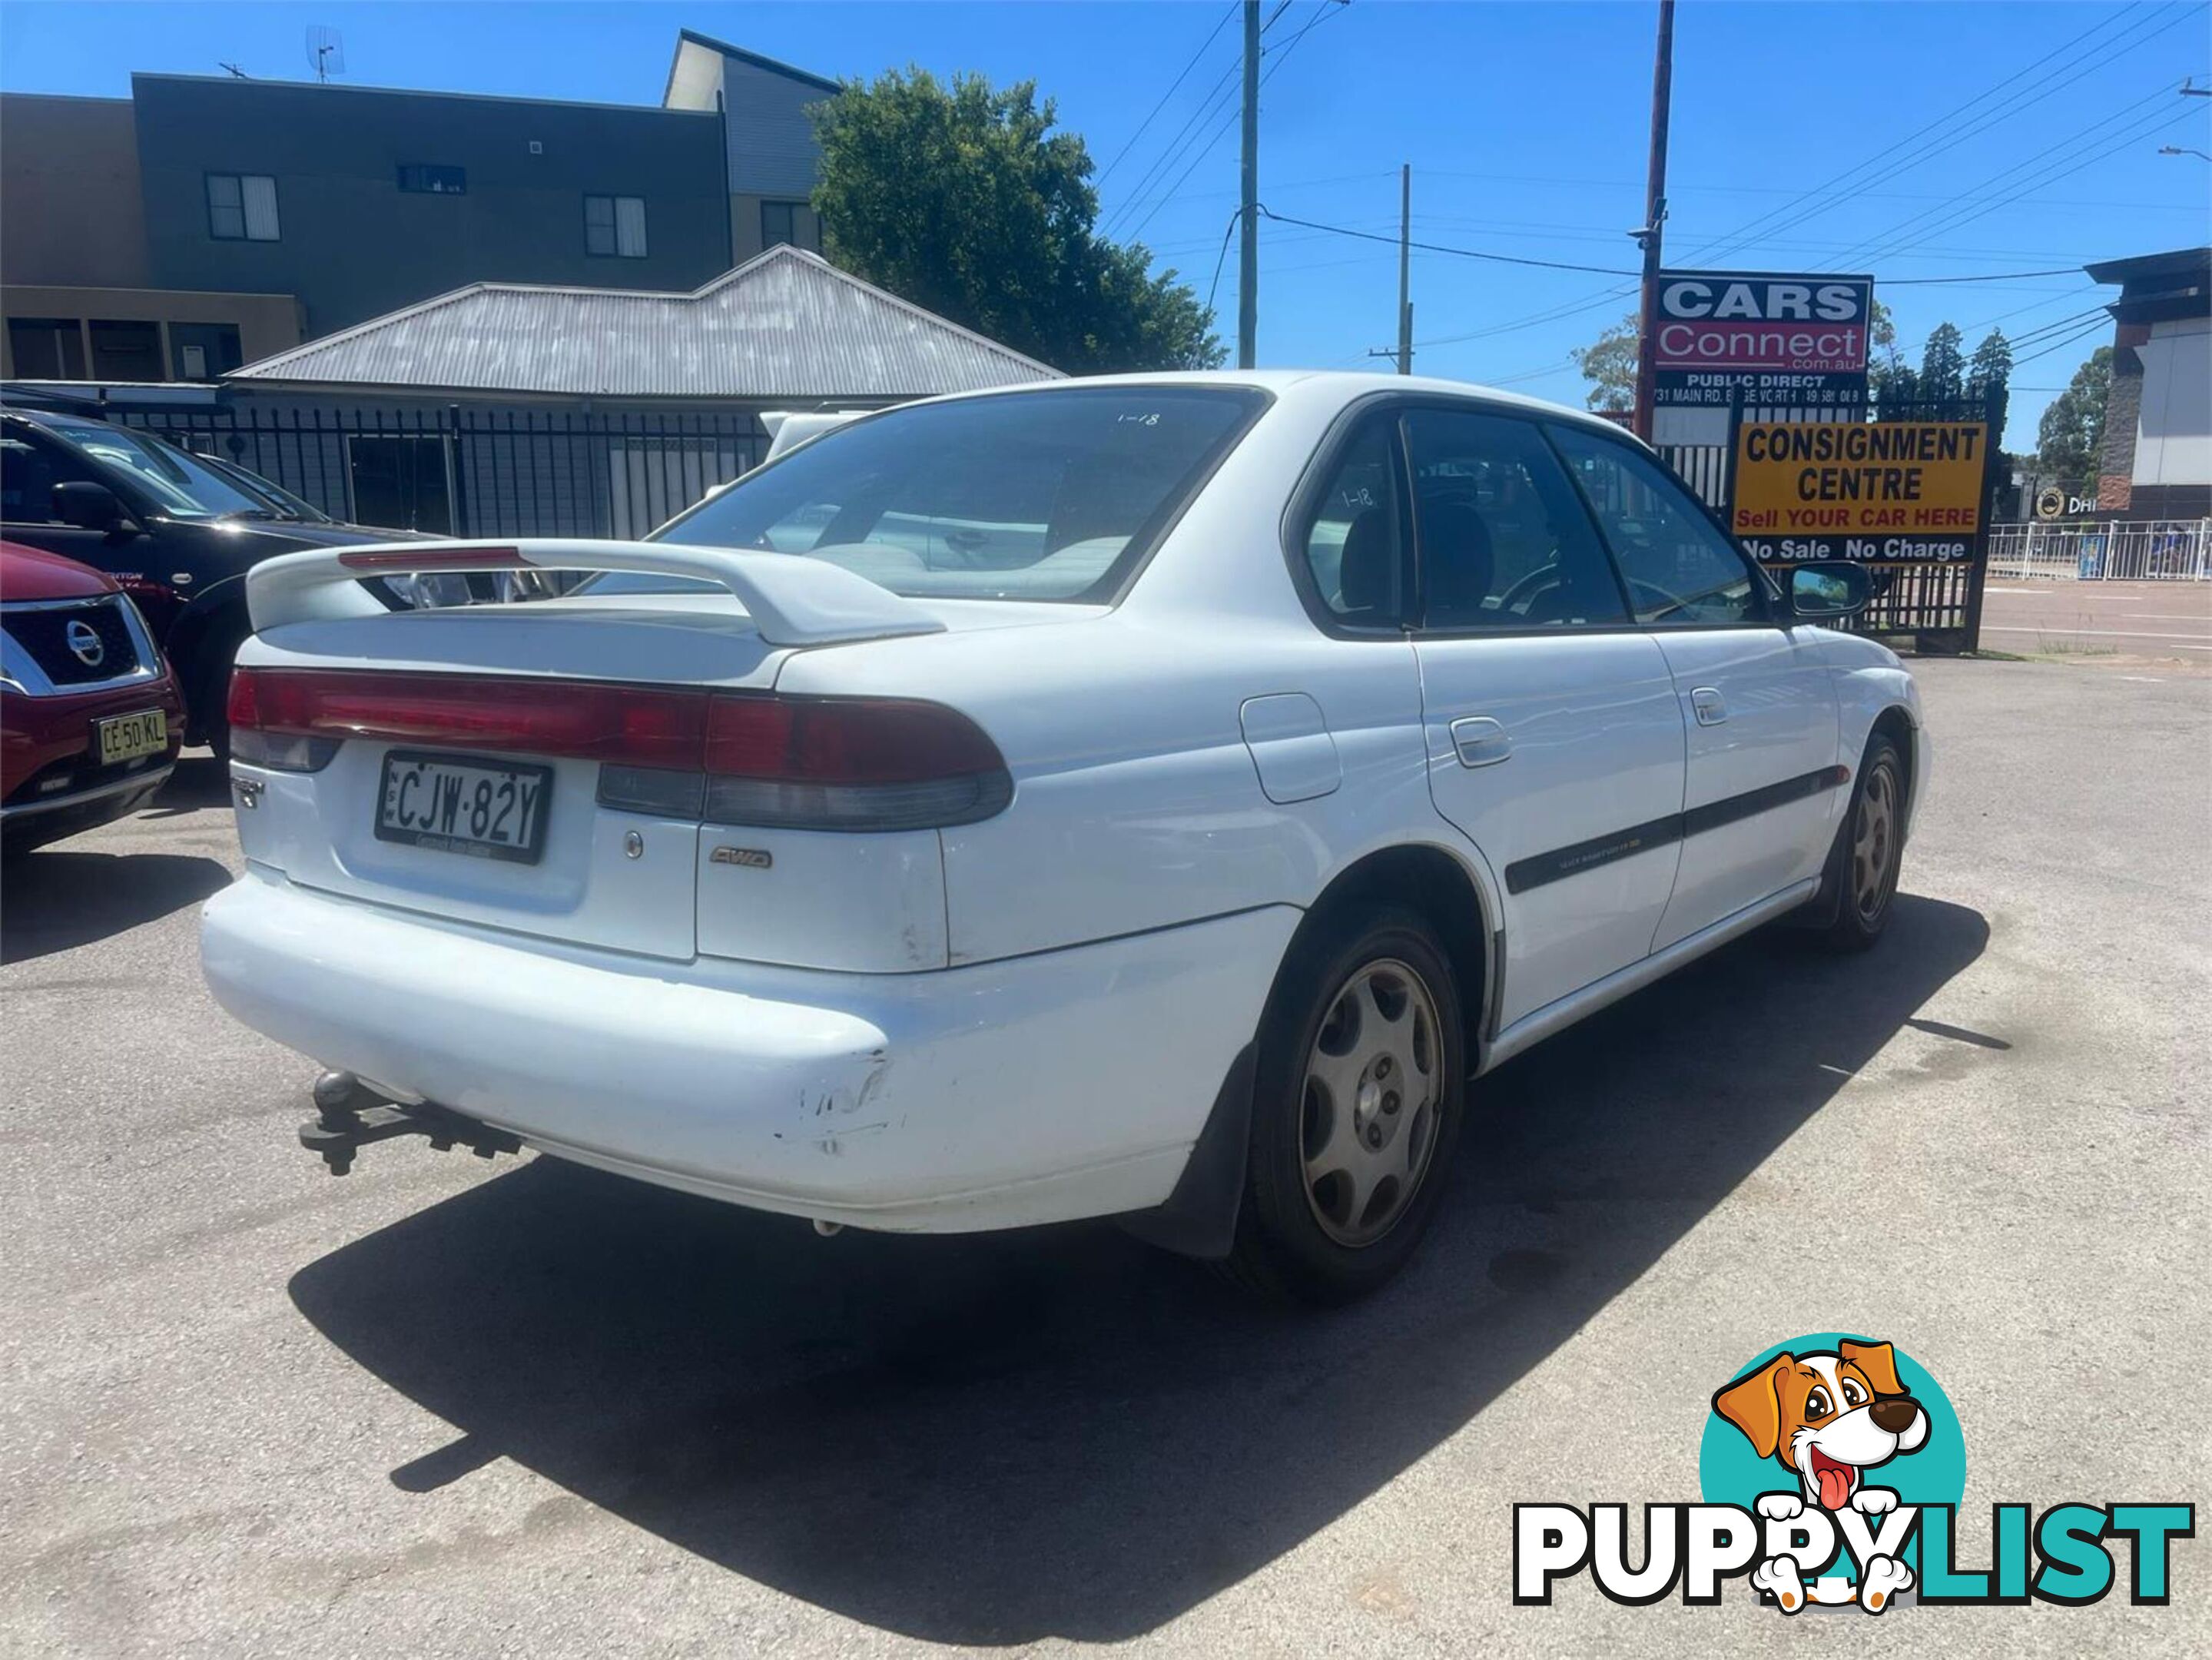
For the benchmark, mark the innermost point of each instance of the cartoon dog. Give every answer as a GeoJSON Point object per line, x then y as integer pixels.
{"type": "Point", "coordinates": [1828, 1418]}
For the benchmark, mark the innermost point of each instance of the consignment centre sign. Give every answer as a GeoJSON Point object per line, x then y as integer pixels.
{"type": "Point", "coordinates": [1884, 491]}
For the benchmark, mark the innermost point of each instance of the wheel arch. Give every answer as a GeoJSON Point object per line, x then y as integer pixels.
{"type": "Point", "coordinates": [1896, 723]}
{"type": "Point", "coordinates": [1199, 1217]}
{"type": "Point", "coordinates": [1438, 883]}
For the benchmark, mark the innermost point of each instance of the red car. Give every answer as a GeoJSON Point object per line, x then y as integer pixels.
{"type": "Point", "coordinates": [89, 717]}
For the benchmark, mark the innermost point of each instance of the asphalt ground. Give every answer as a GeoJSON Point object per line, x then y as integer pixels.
{"type": "Point", "coordinates": [443, 1408]}
{"type": "Point", "coordinates": [2100, 619]}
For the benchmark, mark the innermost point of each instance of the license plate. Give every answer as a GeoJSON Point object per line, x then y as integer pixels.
{"type": "Point", "coordinates": [127, 737]}
{"type": "Point", "coordinates": [481, 809]}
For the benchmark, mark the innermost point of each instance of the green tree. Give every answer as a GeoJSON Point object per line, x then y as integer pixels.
{"type": "Point", "coordinates": [1943, 364]}
{"type": "Point", "coordinates": [2069, 443]}
{"type": "Point", "coordinates": [965, 200]}
{"type": "Point", "coordinates": [1608, 363]}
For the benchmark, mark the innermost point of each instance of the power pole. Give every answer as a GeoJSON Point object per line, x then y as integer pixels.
{"type": "Point", "coordinates": [1406, 269]}
{"type": "Point", "coordinates": [1654, 217]}
{"type": "Point", "coordinates": [1247, 252]}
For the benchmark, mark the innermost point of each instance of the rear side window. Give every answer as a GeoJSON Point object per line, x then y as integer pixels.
{"type": "Point", "coordinates": [1503, 542]}
{"type": "Point", "coordinates": [1053, 495]}
{"type": "Point", "coordinates": [1681, 571]}
{"type": "Point", "coordinates": [1355, 545]}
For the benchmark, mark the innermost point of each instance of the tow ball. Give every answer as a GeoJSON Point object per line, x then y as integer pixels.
{"type": "Point", "coordinates": [348, 1115]}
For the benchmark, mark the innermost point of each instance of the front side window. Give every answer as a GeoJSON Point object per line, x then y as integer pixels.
{"type": "Point", "coordinates": [30, 467]}
{"type": "Point", "coordinates": [1503, 542]}
{"type": "Point", "coordinates": [1681, 570]}
{"type": "Point", "coordinates": [1356, 546]}
{"type": "Point", "coordinates": [1055, 495]}
{"type": "Point", "coordinates": [242, 207]}
{"type": "Point", "coordinates": [614, 227]}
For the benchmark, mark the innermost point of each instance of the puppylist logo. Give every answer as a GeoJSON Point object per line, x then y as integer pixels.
{"type": "Point", "coordinates": [1831, 1470]}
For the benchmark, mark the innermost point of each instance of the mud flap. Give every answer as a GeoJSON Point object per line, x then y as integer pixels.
{"type": "Point", "coordinates": [1199, 1217]}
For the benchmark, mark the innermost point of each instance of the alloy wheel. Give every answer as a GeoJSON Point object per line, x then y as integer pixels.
{"type": "Point", "coordinates": [1874, 842]}
{"type": "Point", "coordinates": [1368, 1113]}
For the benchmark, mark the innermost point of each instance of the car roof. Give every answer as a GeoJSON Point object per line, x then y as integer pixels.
{"type": "Point", "coordinates": [1340, 385]}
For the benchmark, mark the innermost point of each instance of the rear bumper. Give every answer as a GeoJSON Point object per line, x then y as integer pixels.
{"type": "Point", "coordinates": [1041, 1089]}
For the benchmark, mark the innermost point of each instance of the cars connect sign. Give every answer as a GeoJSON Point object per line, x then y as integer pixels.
{"type": "Point", "coordinates": [1884, 491]}
{"type": "Point", "coordinates": [1770, 341]}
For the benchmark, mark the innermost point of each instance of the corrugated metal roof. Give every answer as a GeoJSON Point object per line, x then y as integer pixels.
{"type": "Point", "coordinates": [787, 325]}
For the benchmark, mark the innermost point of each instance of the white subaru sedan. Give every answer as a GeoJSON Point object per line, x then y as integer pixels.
{"type": "Point", "coordinates": [1157, 797]}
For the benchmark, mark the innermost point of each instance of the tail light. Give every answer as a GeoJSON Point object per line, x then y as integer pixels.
{"type": "Point", "coordinates": [834, 763]}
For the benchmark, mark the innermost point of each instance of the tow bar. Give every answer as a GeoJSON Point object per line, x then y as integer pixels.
{"type": "Point", "coordinates": [349, 1116]}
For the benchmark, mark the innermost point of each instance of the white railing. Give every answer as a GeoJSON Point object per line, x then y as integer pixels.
{"type": "Point", "coordinates": [2117, 550]}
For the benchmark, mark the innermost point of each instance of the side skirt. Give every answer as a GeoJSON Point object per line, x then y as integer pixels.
{"type": "Point", "coordinates": [1555, 1017]}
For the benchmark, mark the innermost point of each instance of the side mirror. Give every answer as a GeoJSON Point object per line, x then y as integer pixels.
{"type": "Point", "coordinates": [1830, 590]}
{"type": "Point", "coordinates": [87, 506]}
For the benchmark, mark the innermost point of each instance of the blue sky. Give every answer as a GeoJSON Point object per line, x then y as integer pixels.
{"type": "Point", "coordinates": [1965, 139]}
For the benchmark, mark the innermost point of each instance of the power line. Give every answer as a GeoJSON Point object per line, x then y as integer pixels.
{"type": "Point", "coordinates": [1222, 23]}
{"type": "Point", "coordinates": [1616, 270]}
{"type": "Point", "coordinates": [1281, 57]}
{"type": "Point", "coordinates": [2060, 345]}
{"type": "Point", "coordinates": [1829, 194]}
{"type": "Point", "coordinates": [2125, 140]}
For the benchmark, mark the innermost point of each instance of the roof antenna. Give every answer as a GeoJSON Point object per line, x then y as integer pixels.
{"type": "Point", "coordinates": [325, 51]}
{"type": "Point", "coordinates": [236, 72]}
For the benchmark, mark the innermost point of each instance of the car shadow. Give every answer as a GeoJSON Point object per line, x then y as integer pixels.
{"type": "Point", "coordinates": [201, 780]}
{"type": "Point", "coordinates": [52, 898]}
{"type": "Point", "coordinates": [997, 1438]}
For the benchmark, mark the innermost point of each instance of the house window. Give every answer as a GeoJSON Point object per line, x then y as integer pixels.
{"type": "Point", "coordinates": [46, 348]}
{"type": "Point", "coordinates": [426, 180]}
{"type": "Point", "coordinates": [241, 207]}
{"type": "Point", "coordinates": [614, 227]}
{"type": "Point", "coordinates": [200, 351]}
{"type": "Point", "coordinates": [780, 223]}
{"type": "Point", "coordinates": [126, 351]}
{"type": "Point", "coordinates": [401, 480]}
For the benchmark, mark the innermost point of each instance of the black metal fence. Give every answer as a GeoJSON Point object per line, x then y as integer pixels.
{"type": "Point", "coordinates": [1939, 604]}
{"type": "Point", "coordinates": [463, 471]}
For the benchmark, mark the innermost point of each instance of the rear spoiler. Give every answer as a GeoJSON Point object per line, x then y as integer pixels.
{"type": "Point", "coordinates": [794, 600]}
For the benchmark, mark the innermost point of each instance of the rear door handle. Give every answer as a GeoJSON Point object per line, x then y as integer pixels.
{"type": "Point", "coordinates": [1712, 709]}
{"type": "Point", "coordinates": [1480, 741]}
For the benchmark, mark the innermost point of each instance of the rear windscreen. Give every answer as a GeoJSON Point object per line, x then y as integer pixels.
{"type": "Point", "coordinates": [1053, 495]}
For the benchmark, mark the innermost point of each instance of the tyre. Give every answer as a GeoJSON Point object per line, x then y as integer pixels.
{"type": "Point", "coordinates": [1360, 1073]}
{"type": "Point", "coordinates": [1868, 849]}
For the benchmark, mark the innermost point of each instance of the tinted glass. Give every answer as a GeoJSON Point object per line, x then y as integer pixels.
{"type": "Point", "coordinates": [1505, 542]}
{"type": "Point", "coordinates": [29, 470]}
{"type": "Point", "coordinates": [1356, 545]}
{"type": "Point", "coordinates": [1037, 496]}
{"type": "Point", "coordinates": [181, 486]}
{"type": "Point", "coordinates": [1680, 569]}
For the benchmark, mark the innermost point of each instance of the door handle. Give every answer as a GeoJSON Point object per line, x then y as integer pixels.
{"type": "Point", "coordinates": [1712, 709]}
{"type": "Point", "coordinates": [1480, 741]}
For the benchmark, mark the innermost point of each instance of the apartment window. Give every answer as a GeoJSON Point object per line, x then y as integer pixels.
{"type": "Point", "coordinates": [46, 348]}
{"type": "Point", "coordinates": [200, 351]}
{"type": "Point", "coordinates": [126, 350]}
{"type": "Point", "coordinates": [614, 227]}
{"type": "Point", "coordinates": [780, 223]}
{"type": "Point", "coordinates": [426, 180]}
{"type": "Point", "coordinates": [241, 207]}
